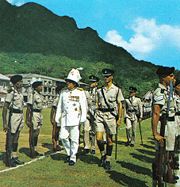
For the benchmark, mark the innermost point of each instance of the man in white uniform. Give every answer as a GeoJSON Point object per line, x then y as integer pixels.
{"type": "Point", "coordinates": [71, 111]}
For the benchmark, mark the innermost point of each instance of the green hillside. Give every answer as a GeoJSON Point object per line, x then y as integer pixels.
{"type": "Point", "coordinates": [33, 39]}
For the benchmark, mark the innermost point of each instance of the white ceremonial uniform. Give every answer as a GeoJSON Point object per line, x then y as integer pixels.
{"type": "Point", "coordinates": [71, 111]}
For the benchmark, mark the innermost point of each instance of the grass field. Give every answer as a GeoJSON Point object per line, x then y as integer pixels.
{"type": "Point", "coordinates": [132, 167]}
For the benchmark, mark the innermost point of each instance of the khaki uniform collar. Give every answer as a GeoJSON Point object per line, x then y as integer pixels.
{"type": "Point", "coordinates": [162, 86]}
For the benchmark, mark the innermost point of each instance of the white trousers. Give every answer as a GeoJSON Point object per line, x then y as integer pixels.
{"type": "Point", "coordinates": [69, 136]}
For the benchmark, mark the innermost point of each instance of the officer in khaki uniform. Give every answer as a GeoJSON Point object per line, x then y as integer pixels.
{"type": "Point", "coordinates": [164, 111]}
{"type": "Point", "coordinates": [89, 125]}
{"type": "Point", "coordinates": [12, 126]}
{"type": "Point", "coordinates": [109, 114]}
{"type": "Point", "coordinates": [34, 118]}
{"type": "Point", "coordinates": [71, 111]}
{"type": "Point", "coordinates": [133, 112]}
{"type": "Point", "coordinates": [177, 120]}
{"type": "Point", "coordinates": [56, 129]}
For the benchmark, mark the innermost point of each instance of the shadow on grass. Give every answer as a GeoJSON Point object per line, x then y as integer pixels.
{"type": "Point", "coordinates": [88, 158]}
{"type": "Point", "coordinates": [126, 180]}
{"type": "Point", "coordinates": [142, 157]}
{"type": "Point", "coordinates": [135, 168]}
{"type": "Point", "coordinates": [148, 146]}
{"type": "Point", "coordinates": [147, 152]}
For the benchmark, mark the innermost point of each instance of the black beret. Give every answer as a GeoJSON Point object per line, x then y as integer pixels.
{"type": "Point", "coordinates": [16, 78]}
{"type": "Point", "coordinates": [93, 78]}
{"type": "Point", "coordinates": [177, 82]}
{"type": "Point", "coordinates": [163, 71]}
{"type": "Point", "coordinates": [132, 89]}
{"type": "Point", "coordinates": [36, 84]}
{"type": "Point", "coordinates": [107, 72]}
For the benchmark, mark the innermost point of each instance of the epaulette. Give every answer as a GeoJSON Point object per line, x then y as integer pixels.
{"type": "Point", "coordinates": [81, 89]}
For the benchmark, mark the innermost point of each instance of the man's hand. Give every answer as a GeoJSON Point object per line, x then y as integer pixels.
{"type": "Point", "coordinates": [140, 119]}
{"type": "Point", "coordinates": [5, 127]}
{"type": "Point", "coordinates": [159, 138]}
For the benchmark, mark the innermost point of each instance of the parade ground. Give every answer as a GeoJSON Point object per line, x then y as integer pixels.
{"type": "Point", "coordinates": [132, 167]}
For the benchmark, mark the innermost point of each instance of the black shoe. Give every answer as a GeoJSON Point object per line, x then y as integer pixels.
{"type": "Point", "coordinates": [67, 159]}
{"type": "Point", "coordinates": [71, 163]}
{"type": "Point", "coordinates": [11, 163]}
{"type": "Point", "coordinates": [127, 143]}
{"type": "Point", "coordinates": [93, 152]}
{"type": "Point", "coordinates": [17, 161]}
{"type": "Point", "coordinates": [107, 166]}
{"type": "Point", "coordinates": [131, 145]}
{"type": "Point", "coordinates": [102, 161]}
{"type": "Point", "coordinates": [38, 154]}
{"type": "Point", "coordinates": [86, 151]}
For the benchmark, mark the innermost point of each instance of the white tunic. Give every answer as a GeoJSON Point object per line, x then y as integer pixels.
{"type": "Point", "coordinates": [72, 107]}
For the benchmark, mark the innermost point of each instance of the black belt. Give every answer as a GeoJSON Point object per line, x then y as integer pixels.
{"type": "Point", "coordinates": [177, 113]}
{"type": "Point", "coordinates": [106, 109]}
{"type": "Point", "coordinates": [36, 110]}
{"type": "Point", "coordinates": [171, 118]}
{"type": "Point", "coordinates": [17, 111]}
{"type": "Point", "coordinates": [131, 110]}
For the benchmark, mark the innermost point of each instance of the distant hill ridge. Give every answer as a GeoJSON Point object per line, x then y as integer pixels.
{"type": "Point", "coordinates": [32, 34]}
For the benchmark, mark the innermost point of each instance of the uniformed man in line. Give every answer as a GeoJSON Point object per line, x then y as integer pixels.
{"type": "Point", "coordinates": [89, 125]}
{"type": "Point", "coordinates": [163, 117]}
{"type": "Point", "coordinates": [109, 115]}
{"type": "Point", "coordinates": [13, 120]}
{"type": "Point", "coordinates": [34, 118]}
{"type": "Point", "coordinates": [56, 129]}
{"type": "Point", "coordinates": [177, 120]}
{"type": "Point", "coordinates": [71, 111]}
{"type": "Point", "coordinates": [133, 112]}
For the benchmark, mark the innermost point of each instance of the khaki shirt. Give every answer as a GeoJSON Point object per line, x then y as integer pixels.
{"type": "Point", "coordinates": [91, 96]}
{"type": "Point", "coordinates": [177, 102]}
{"type": "Point", "coordinates": [132, 106]}
{"type": "Point", "coordinates": [113, 96]}
{"type": "Point", "coordinates": [55, 102]}
{"type": "Point", "coordinates": [36, 100]}
{"type": "Point", "coordinates": [15, 98]}
{"type": "Point", "coordinates": [160, 97]}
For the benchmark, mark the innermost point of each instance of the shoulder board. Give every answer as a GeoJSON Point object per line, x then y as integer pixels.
{"type": "Point", "coordinates": [80, 89]}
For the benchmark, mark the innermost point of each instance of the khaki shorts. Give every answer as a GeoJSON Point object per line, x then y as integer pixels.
{"type": "Point", "coordinates": [170, 136]}
{"type": "Point", "coordinates": [37, 120]}
{"type": "Point", "coordinates": [17, 122]}
{"type": "Point", "coordinates": [105, 122]}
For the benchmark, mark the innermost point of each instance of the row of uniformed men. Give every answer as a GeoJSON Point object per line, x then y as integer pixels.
{"type": "Point", "coordinates": [71, 110]}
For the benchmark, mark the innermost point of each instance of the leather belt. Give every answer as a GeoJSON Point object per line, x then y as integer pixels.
{"type": "Point", "coordinates": [177, 113]}
{"type": "Point", "coordinates": [171, 118]}
{"type": "Point", "coordinates": [17, 111]}
{"type": "Point", "coordinates": [36, 110]}
{"type": "Point", "coordinates": [106, 109]}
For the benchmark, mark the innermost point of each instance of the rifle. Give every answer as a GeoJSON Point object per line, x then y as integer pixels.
{"type": "Point", "coordinates": [116, 141]}
{"type": "Point", "coordinates": [9, 141]}
{"type": "Point", "coordinates": [163, 169]}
